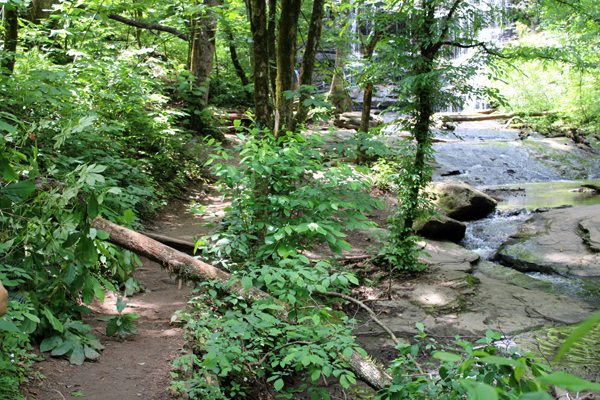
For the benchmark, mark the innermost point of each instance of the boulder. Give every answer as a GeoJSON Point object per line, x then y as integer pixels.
{"type": "Point", "coordinates": [562, 241]}
{"type": "Point", "coordinates": [461, 201]}
{"type": "Point", "coordinates": [441, 227]}
{"type": "Point", "coordinates": [351, 120]}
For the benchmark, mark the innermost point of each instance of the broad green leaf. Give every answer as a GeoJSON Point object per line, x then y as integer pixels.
{"type": "Point", "coordinates": [19, 191]}
{"type": "Point", "coordinates": [92, 206]}
{"type": "Point", "coordinates": [87, 291]}
{"type": "Point", "coordinates": [501, 361]}
{"type": "Point", "coordinates": [111, 327]}
{"type": "Point", "coordinates": [128, 216]}
{"type": "Point", "coordinates": [7, 127]}
{"type": "Point", "coordinates": [479, 391]}
{"type": "Point", "coordinates": [536, 396]}
{"type": "Point", "coordinates": [78, 355]}
{"type": "Point", "coordinates": [63, 348]}
{"type": "Point", "coordinates": [52, 319]}
{"type": "Point", "coordinates": [247, 282]}
{"type": "Point", "coordinates": [8, 326]}
{"type": "Point", "coordinates": [90, 353]}
{"type": "Point", "coordinates": [50, 343]}
{"type": "Point", "coordinates": [278, 385]}
{"type": "Point", "coordinates": [444, 356]}
{"type": "Point", "coordinates": [8, 172]}
{"type": "Point", "coordinates": [121, 305]}
{"type": "Point", "coordinates": [565, 380]}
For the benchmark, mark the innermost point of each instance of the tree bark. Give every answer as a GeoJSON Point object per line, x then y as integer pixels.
{"type": "Point", "coordinates": [271, 28]}
{"type": "Point", "coordinates": [258, 24]}
{"type": "Point", "coordinates": [286, 54]}
{"type": "Point", "coordinates": [337, 95]}
{"type": "Point", "coordinates": [11, 36]}
{"type": "Point", "coordinates": [308, 60]}
{"type": "Point", "coordinates": [204, 30]}
{"type": "Point", "coordinates": [236, 63]}
{"type": "Point", "coordinates": [192, 269]}
{"type": "Point", "coordinates": [368, 49]}
{"type": "Point", "coordinates": [41, 9]}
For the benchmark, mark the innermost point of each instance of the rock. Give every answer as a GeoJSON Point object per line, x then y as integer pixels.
{"type": "Point", "coordinates": [448, 256]}
{"type": "Point", "coordinates": [462, 201]}
{"type": "Point", "coordinates": [351, 120]}
{"type": "Point", "coordinates": [591, 232]}
{"type": "Point", "coordinates": [441, 227]}
{"type": "Point", "coordinates": [556, 242]}
{"type": "Point", "coordinates": [435, 297]}
{"type": "Point", "coordinates": [592, 186]}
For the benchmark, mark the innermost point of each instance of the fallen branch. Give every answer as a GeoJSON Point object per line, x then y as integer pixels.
{"type": "Point", "coordinates": [192, 269]}
{"type": "Point", "coordinates": [149, 26]}
{"type": "Point", "coordinates": [482, 117]}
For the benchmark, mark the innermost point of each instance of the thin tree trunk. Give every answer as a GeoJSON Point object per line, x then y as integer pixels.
{"type": "Point", "coordinates": [192, 269]}
{"type": "Point", "coordinates": [11, 36]}
{"type": "Point", "coordinates": [368, 49]}
{"type": "Point", "coordinates": [260, 38]}
{"type": "Point", "coordinates": [272, 26]}
{"type": "Point", "coordinates": [308, 60]}
{"type": "Point", "coordinates": [236, 63]}
{"type": "Point", "coordinates": [337, 96]}
{"type": "Point", "coordinates": [286, 52]}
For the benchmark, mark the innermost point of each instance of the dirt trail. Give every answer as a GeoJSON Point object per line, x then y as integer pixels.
{"type": "Point", "coordinates": [139, 366]}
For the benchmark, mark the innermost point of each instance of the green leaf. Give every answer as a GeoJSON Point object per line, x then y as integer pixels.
{"type": "Point", "coordinates": [128, 216]}
{"type": "Point", "coordinates": [52, 319]}
{"type": "Point", "coordinates": [278, 385]}
{"type": "Point", "coordinates": [501, 361]}
{"type": "Point", "coordinates": [121, 305]}
{"type": "Point", "coordinates": [444, 356]}
{"type": "Point", "coordinates": [78, 355]}
{"type": "Point", "coordinates": [92, 206]}
{"type": "Point", "coordinates": [112, 327]}
{"type": "Point", "coordinates": [581, 330]}
{"type": "Point", "coordinates": [479, 391]}
{"type": "Point", "coordinates": [90, 353]}
{"type": "Point", "coordinates": [7, 127]}
{"type": "Point", "coordinates": [87, 292]}
{"type": "Point", "coordinates": [536, 396]}
{"type": "Point", "coordinates": [8, 326]}
{"type": "Point", "coordinates": [247, 282]}
{"type": "Point", "coordinates": [567, 381]}
{"type": "Point", "coordinates": [8, 172]}
{"type": "Point", "coordinates": [50, 343]}
{"type": "Point", "coordinates": [63, 348]}
{"type": "Point", "coordinates": [347, 352]}
{"type": "Point", "coordinates": [70, 274]}
{"type": "Point", "coordinates": [19, 191]}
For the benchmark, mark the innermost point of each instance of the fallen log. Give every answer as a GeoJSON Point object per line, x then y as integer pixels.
{"type": "Point", "coordinates": [483, 117]}
{"type": "Point", "coordinates": [192, 269]}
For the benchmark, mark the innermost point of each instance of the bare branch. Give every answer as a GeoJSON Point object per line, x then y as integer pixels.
{"type": "Point", "coordinates": [482, 45]}
{"type": "Point", "coordinates": [146, 25]}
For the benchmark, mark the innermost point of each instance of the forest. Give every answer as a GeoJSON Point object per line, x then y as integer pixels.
{"type": "Point", "coordinates": [335, 164]}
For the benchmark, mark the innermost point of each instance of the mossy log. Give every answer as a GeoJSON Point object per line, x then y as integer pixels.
{"type": "Point", "coordinates": [192, 269]}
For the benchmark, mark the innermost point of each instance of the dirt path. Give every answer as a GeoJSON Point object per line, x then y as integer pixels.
{"type": "Point", "coordinates": [135, 368]}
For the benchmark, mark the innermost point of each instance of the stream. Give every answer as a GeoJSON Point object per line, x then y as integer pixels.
{"type": "Point", "coordinates": [528, 176]}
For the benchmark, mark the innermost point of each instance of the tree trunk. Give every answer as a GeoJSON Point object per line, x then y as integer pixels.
{"type": "Point", "coordinates": [11, 36]}
{"type": "Point", "coordinates": [337, 96]}
{"type": "Point", "coordinates": [204, 29]}
{"type": "Point", "coordinates": [41, 9]}
{"type": "Point", "coordinates": [258, 24]}
{"type": "Point", "coordinates": [272, 26]}
{"type": "Point", "coordinates": [286, 54]}
{"type": "Point", "coordinates": [368, 49]}
{"type": "Point", "coordinates": [236, 64]}
{"type": "Point", "coordinates": [308, 60]}
{"type": "Point", "coordinates": [192, 269]}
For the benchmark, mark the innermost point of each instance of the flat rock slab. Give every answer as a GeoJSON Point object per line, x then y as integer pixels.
{"type": "Point", "coordinates": [433, 296]}
{"type": "Point", "coordinates": [591, 232]}
{"type": "Point", "coordinates": [448, 255]}
{"type": "Point", "coordinates": [554, 242]}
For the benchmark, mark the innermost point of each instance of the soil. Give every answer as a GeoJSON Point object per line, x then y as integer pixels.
{"type": "Point", "coordinates": [137, 367]}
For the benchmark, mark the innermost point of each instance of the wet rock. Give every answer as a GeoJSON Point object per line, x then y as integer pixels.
{"type": "Point", "coordinates": [555, 242]}
{"type": "Point", "coordinates": [441, 227]}
{"type": "Point", "coordinates": [512, 276]}
{"type": "Point", "coordinates": [462, 201]}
